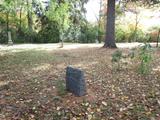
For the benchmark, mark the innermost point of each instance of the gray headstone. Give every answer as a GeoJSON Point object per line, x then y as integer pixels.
{"type": "Point", "coordinates": [10, 42]}
{"type": "Point", "coordinates": [75, 81]}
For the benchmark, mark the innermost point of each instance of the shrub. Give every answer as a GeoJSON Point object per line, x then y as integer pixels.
{"type": "Point", "coordinates": [116, 57]}
{"type": "Point", "coordinates": [129, 34]}
{"type": "Point", "coordinates": [120, 35]}
{"type": "Point", "coordinates": [3, 37]}
{"type": "Point", "coordinates": [49, 33]}
{"type": "Point", "coordinates": [141, 36]}
{"type": "Point", "coordinates": [73, 34]}
{"type": "Point", "coordinates": [145, 57]}
{"type": "Point", "coordinates": [31, 37]}
{"type": "Point", "coordinates": [23, 36]}
{"type": "Point", "coordinates": [61, 89]}
{"type": "Point", "coordinates": [88, 34]}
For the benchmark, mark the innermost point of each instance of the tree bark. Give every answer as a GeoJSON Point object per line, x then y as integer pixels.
{"type": "Point", "coordinates": [7, 19]}
{"type": "Point", "coordinates": [158, 38]}
{"type": "Point", "coordinates": [7, 24]}
{"type": "Point", "coordinates": [99, 22]}
{"type": "Point", "coordinates": [110, 26]}
{"type": "Point", "coordinates": [20, 20]}
{"type": "Point", "coordinates": [29, 16]}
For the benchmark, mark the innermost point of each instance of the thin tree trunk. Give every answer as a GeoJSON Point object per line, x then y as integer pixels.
{"type": "Point", "coordinates": [29, 17]}
{"type": "Point", "coordinates": [135, 29]}
{"type": "Point", "coordinates": [99, 22]}
{"type": "Point", "coordinates": [158, 37]}
{"type": "Point", "coordinates": [110, 26]}
{"type": "Point", "coordinates": [20, 20]}
{"type": "Point", "coordinates": [7, 25]}
{"type": "Point", "coordinates": [7, 19]}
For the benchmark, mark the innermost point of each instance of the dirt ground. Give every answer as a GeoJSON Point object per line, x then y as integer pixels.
{"type": "Point", "coordinates": [32, 86]}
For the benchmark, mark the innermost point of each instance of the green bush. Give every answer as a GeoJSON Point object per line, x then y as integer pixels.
{"type": "Point", "coordinates": [49, 33]}
{"type": "Point", "coordinates": [138, 36]}
{"type": "Point", "coordinates": [31, 37]}
{"type": "Point", "coordinates": [129, 34]}
{"type": "Point", "coordinates": [145, 57]}
{"type": "Point", "coordinates": [3, 37]}
{"type": "Point", "coordinates": [23, 36]}
{"type": "Point", "coordinates": [120, 35]}
{"type": "Point", "coordinates": [88, 34]}
{"type": "Point", "coordinates": [141, 36]}
{"type": "Point", "coordinates": [116, 58]}
{"type": "Point", "coordinates": [73, 34]}
{"type": "Point", "coordinates": [61, 88]}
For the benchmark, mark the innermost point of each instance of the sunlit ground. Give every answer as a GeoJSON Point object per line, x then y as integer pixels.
{"type": "Point", "coordinates": [67, 46]}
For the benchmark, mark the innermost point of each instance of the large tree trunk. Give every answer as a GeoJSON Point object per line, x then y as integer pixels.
{"type": "Point", "coordinates": [110, 26]}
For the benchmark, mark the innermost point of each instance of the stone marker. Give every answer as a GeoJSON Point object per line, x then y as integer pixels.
{"type": "Point", "coordinates": [75, 81]}
{"type": "Point", "coordinates": [10, 42]}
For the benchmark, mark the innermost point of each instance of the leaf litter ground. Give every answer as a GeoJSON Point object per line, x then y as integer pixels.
{"type": "Point", "coordinates": [28, 87]}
